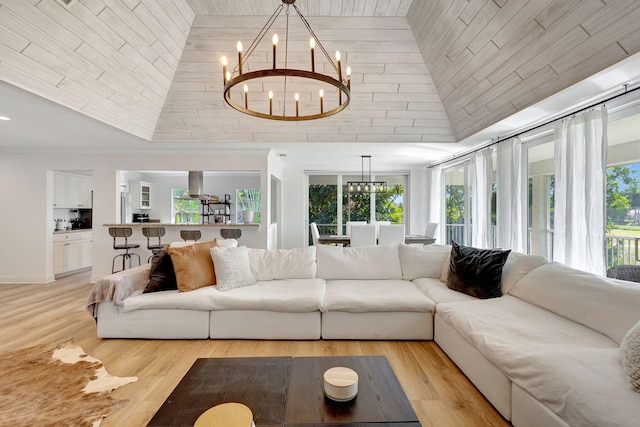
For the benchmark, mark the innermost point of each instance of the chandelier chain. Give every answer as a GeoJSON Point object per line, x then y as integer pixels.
{"type": "Point", "coordinates": [260, 36]}
{"type": "Point", "coordinates": [286, 62]}
{"type": "Point", "coordinates": [324, 51]}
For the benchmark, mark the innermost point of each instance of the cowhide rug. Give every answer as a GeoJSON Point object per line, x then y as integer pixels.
{"type": "Point", "coordinates": [56, 384]}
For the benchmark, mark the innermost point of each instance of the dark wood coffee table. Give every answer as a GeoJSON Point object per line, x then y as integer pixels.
{"type": "Point", "coordinates": [288, 391]}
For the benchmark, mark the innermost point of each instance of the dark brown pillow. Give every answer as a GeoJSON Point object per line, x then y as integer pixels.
{"type": "Point", "coordinates": [162, 277]}
{"type": "Point", "coordinates": [476, 272]}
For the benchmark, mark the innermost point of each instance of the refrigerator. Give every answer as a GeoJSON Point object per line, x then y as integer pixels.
{"type": "Point", "coordinates": [126, 216]}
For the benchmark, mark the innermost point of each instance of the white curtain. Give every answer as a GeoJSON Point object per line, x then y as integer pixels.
{"type": "Point", "coordinates": [435, 199]}
{"type": "Point", "coordinates": [510, 221]}
{"type": "Point", "coordinates": [482, 169]}
{"type": "Point", "coordinates": [579, 209]}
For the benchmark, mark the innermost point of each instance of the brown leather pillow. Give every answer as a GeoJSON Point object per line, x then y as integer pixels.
{"type": "Point", "coordinates": [193, 265]}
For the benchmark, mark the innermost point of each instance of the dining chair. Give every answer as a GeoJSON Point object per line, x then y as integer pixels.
{"type": "Point", "coordinates": [378, 224]}
{"type": "Point", "coordinates": [350, 223]}
{"type": "Point", "coordinates": [363, 235]}
{"type": "Point", "coordinates": [315, 234]}
{"type": "Point", "coordinates": [431, 229]}
{"type": "Point", "coordinates": [391, 233]}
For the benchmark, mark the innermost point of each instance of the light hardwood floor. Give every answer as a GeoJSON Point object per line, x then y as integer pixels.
{"type": "Point", "coordinates": [37, 313]}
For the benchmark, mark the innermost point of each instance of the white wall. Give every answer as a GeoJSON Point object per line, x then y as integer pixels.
{"type": "Point", "coordinates": [26, 254]}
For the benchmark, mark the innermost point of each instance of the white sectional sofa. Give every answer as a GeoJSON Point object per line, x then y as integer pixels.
{"type": "Point", "coordinates": [545, 353]}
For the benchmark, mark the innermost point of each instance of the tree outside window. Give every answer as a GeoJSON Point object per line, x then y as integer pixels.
{"type": "Point", "coordinates": [184, 210]}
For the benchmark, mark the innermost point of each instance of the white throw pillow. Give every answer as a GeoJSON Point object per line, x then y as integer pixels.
{"type": "Point", "coordinates": [423, 261]}
{"type": "Point", "coordinates": [630, 355]}
{"type": "Point", "coordinates": [276, 264]}
{"type": "Point", "coordinates": [232, 267]}
{"type": "Point", "coordinates": [226, 243]}
{"type": "Point", "coordinates": [364, 262]}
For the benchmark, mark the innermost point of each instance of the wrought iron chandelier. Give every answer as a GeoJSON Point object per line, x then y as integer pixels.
{"type": "Point", "coordinates": [366, 185]}
{"type": "Point", "coordinates": [281, 81]}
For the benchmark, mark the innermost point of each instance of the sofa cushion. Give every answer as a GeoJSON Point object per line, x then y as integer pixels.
{"type": "Point", "coordinates": [366, 262]}
{"type": "Point", "coordinates": [289, 296]}
{"type": "Point", "coordinates": [422, 261]}
{"type": "Point", "coordinates": [232, 266]}
{"type": "Point", "coordinates": [277, 264]}
{"type": "Point", "coordinates": [630, 355]}
{"type": "Point", "coordinates": [193, 265]}
{"type": "Point", "coordinates": [162, 275]}
{"type": "Point", "coordinates": [285, 295]}
{"type": "Point", "coordinates": [477, 272]}
{"type": "Point", "coordinates": [438, 292]}
{"type": "Point", "coordinates": [362, 296]}
{"type": "Point", "coordinates": [517, 266]}
{"type": "Point", "coordinates": [608, 306]}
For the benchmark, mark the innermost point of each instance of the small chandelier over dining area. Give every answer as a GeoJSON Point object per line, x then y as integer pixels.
{"type": "Point", "coordinates": [313, 94]}
{"type": "Point", "coordinates": [366, 184]}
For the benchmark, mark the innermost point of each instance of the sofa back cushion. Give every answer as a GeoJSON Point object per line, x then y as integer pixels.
{"type": "Point", "coordinates": [422, 261]}
{"type": "Point", "coordinates": [608, 306]}
{"type": "Point", "coordinates": [365, 262]}
{"type": "Point", "coordinates": [517, 266]}
{"type": "Point", "coordinates": [279, 264]}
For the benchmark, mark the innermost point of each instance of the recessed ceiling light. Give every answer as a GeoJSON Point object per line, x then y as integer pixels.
{"type": "Point", "coordinates": [4, 118]}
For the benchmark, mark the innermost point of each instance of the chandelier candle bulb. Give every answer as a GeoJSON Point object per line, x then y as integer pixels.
{"type": "Point", "coordinates": [321, 99]}
{"type": "Point", "coordinates": [224, 69]}
{"type": "Point", "coordinates": [271, 102]}
{"type": "Point", "coordinates": [275, 43]}
{"type": "Point", "coordinates": [297, 104]}
{"type": "Point", "coordinates": [312, 45]}
{"type": "Point", "coordinates": [239, 47]}
{"type": "Point", "coordinates": [246, 96]}
{"type": "Point", "coordinates": [349, 77]}
{"type": "Point", "coordinates": [338, 57]}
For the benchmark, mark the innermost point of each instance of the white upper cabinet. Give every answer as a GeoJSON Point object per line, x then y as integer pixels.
{"type": "Point", "coordinates": [140, 194]}
{"type": "Point", "coordinates": [72, 190]}
{"type": "Point", "coordinates": [60, 190]}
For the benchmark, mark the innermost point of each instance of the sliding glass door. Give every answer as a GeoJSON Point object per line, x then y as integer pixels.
{"type": "Point", "coordinates": [457, 204]}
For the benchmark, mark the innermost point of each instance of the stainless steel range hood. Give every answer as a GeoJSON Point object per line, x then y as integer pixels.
{"type": "Point", "coordinates": [196, 179]}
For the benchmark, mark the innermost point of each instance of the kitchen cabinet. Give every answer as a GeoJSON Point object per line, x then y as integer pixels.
{"type": "Point", "coordinates": [72, 251]}
{"type": "Point", "coordinates": [86, 245]}
{"type": "Point", "coordinates": [140, 194]}
{"type": "Point", "coordinates": [59, 190]}
{"type": "Point", "coordinates": [72, 190]}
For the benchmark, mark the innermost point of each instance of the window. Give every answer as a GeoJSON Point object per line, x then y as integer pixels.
{"type": "Point", "coordinates": [457, 204]}
{"type": "Point", "coordinates": [184, 210]}
{"type": "Point", "coordinates": [623, 214]}
{"type": "Point", "coordinates": [248, 200]}
{"type": "Point", "coordinates": [331, 205]}
{"type": "Point", "coordinates": [541, 185]}
{"type": "Point", "coordinates": [323, 203]}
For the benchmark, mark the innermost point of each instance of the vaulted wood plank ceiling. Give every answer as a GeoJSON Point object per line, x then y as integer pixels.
{"type": "Point", "coordinates": [424, 71]}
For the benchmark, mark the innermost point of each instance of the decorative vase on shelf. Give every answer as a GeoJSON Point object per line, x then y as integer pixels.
{"type": "Point", "coordinates": [247, 216]}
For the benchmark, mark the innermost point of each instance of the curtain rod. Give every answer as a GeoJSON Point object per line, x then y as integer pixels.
{"type": "Point", "coordinates": [499, 140]}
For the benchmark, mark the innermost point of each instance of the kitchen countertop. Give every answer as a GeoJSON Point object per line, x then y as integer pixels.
{"type": "Point", "coordinates": [75, 230]}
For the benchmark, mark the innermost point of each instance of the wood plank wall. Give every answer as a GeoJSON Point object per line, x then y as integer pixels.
{"type": "Point", "coordinates": [393, 96]}
{"type": "Point", "coordinates": [492, 58]}
{"type": "Point", "coordinates": [112, 60]}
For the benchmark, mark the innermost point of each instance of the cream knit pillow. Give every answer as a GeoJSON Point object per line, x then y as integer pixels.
{"type": "Point", "coordinates": [630, 355]}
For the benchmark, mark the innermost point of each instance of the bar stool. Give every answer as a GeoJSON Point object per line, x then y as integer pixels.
{"type": "Point", "coordinates": [154, 232]}
{"type": "Point", "coordinates": [230, 233]}
{"type": "Point", "coordinates": [123, 233]}
{"type": "Point", "coordinates": [190, 235]}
